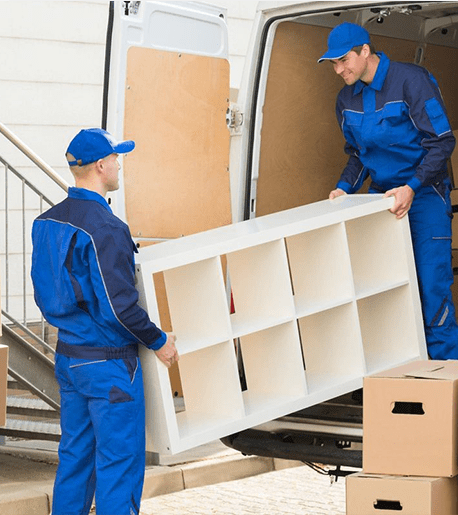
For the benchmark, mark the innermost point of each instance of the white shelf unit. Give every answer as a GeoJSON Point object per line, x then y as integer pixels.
{"type": "Point", "coordinates": [324, 294]}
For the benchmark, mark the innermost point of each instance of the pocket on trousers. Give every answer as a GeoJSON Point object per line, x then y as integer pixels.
{"type": "Point", "coordinates": [132, 367]}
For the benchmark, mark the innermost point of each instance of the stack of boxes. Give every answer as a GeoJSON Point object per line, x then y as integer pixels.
{"type": "Point", "coordinates": [410, 443]}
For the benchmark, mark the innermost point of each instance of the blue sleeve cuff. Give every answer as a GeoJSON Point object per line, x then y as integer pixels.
{"type": "Point", "coordinates": [160, 342]}
{"type": "Point", "coordinates": [344, 186]}
{"type": "Point", "coordinates": [415, 184]}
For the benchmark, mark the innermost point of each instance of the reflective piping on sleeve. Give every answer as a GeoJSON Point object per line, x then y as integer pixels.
{"type": "Point", "coordinates": [444, 317]}
{"type": "Point", "coordinates": [357, 179]}
{"type": "Point", "coordinates": [439, 311]}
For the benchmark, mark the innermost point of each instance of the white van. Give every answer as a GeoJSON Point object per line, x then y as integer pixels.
{"type": "Point", "coordinates": [168, 89]}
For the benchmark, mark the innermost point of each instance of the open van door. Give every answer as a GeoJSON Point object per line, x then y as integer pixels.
{"type": "Point", "coordinates": [169, 92]}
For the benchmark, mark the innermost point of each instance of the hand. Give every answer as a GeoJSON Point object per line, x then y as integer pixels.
{"type": "Point", "coordinates": [168, 353]}
{"type": "Point", "coordinates": [336, 193]}
{"type": "Point", "coordinates": [403, 198]}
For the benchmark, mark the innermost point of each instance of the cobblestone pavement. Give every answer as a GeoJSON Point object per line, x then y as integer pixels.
{"type": "Point", "coordinates": [292, 491]}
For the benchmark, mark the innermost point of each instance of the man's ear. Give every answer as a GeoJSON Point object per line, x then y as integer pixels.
{"type": "Point", "coordinates": [366, 50]}
{"type": "Point", "coordinates": [100, 166]}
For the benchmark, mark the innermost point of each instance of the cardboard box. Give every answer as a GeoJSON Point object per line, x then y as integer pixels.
{"type": "Point", "coordinates": [366, 494]}
{"type": "Point", "coordinates": [3, 382]}
{"type": "Point", "coordinates": [410, 423]}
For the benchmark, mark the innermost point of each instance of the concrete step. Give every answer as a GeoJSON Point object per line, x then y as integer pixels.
{"type": "Point", "coordinates": [13, 384]}
{"type": "Point", "coordinates": [35, 430]}
{"type": "Point", "coordinates": [29, 407]}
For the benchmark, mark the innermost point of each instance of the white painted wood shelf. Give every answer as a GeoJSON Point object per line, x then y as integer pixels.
{"type": "Point", "coordinates": [324, 294]}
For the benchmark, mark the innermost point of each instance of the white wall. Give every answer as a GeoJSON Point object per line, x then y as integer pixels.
{"type": "Point", "coordinates": [52, 64]}
{"type": "Point", "coordinates": [52, 55]}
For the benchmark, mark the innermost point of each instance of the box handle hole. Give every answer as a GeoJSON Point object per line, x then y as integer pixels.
{"type": "Point", "coordinates": [381, 504]}
{"type": "Point", "coordinates": [407, 408]}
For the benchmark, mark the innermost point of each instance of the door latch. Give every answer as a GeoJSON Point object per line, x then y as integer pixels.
{"type": "Point", "coordinates": [234, 118]}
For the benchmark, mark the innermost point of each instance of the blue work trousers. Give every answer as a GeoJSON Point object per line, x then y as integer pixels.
{"type": "Point", "coordinates": [430, 220]}
{"type": "Point", "coordinates": [102, 448]}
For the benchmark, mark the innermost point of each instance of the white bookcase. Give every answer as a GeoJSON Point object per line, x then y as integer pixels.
{"type": "Point", "coordinates": [324, 294]}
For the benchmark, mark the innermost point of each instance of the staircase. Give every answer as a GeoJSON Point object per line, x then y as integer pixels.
{"type": "Point", "coordinates": [33, 401]}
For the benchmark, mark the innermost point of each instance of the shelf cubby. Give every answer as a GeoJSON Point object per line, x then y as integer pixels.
{"type": "Point", "coordinates": [324, 294]}
{"type": "Point", "coordinates": [375, 264]}
{"type": "Point", "coordinates": [388, 328]}
{"type": "Point", "coordinates": [261, 288]}
{"type": "Point", "coordinates": [277, 349]}
{"type": "Point", "coordinates": [332, 347]}
{"type": "Point", "coordinates": [211, 389]}
{"type": "Point", "coordinates": [198, 307]}
{"type": "Point", "coordinates": [320, 269]}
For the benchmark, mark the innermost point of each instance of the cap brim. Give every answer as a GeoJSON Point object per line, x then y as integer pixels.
{"type": "Point", "coordinates": [124, 147]}
{"type": "Point", "coordinates": [334, 54]}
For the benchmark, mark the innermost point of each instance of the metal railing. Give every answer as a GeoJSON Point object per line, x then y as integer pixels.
{"type": "Point", "coordinates": [35, 158]}
{"type": "Point", "coordinates": [22, 202]}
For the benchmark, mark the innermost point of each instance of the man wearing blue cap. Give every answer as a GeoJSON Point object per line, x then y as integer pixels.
{"type": "Point", "coordinates": [83, 277]}
{"type": "Point", "coordinates": [397, 133]}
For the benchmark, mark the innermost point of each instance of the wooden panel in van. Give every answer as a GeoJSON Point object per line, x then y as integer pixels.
{"type": "Point", "coordinates": [301, 144]}
{"type": "Point", "coordinates": [176, 181]}
{"type": "Point", "coordinates": [442, 62]}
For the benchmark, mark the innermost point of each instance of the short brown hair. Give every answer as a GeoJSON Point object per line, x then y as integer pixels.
{"type": "Point", "coordinates": [358, 49]}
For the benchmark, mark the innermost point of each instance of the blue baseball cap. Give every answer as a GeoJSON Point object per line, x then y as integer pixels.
{"type": "Point", "coordinates": [343, 38]}
{"type": "Point", "coordinates": [90, 145]}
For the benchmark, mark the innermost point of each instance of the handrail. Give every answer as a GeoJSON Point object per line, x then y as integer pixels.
{"type": "Point", "coordinates": [26, 182]}
{"type": "Point", "coordinates": [34, 157]}
{"type": "Point", "coordinates": [26, 330]}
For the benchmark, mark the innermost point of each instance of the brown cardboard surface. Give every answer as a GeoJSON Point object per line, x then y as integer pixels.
{"type": "Point", "coordinates": [3, 382]}
{"type": "Point", "coordinates": [366, 494]}
{"type": "Point", "coordinates": [401, 442]}
{"type": "Point", "coordinates": [409, 368]}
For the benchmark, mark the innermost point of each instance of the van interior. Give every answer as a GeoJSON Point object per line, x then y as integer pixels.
{"type": "Point", "coordinates": [300, 143]}
{"type": "Point", "coordinates": [301, 156]}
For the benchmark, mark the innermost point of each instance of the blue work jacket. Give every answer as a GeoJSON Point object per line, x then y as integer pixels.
{"type": "Point", "coordinates": [396, 129]}
{"type": "Point", "coordinates": [83, 275]}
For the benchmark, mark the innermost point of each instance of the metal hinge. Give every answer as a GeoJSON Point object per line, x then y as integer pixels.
{"type": "Point", "coordinates": [131, 7]}
{"type": "Point", "coordinates": [234, 118]}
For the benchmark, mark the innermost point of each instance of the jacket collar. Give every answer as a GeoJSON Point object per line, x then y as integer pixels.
{"type": "Point", "coordinates": [379, 78]}
{"type": "Point", "coordinates": [83, 194]}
